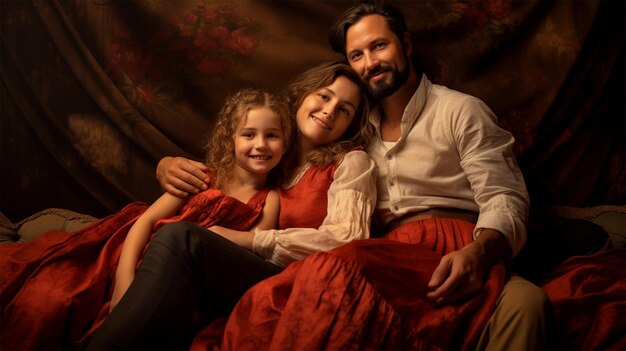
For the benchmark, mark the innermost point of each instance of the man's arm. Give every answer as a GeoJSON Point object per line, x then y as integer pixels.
{"type": "Point", "coordinates": [488, 160]}
{"type": "Point", "coordinates": [180, 176]}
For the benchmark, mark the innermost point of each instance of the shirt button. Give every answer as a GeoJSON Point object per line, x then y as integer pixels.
{"type": "Point", "coordinates": [391, 183]}
{"type": "Point", "coordinates": [395, 207]}
{"type": "Point", "coordinates": [389, 157]}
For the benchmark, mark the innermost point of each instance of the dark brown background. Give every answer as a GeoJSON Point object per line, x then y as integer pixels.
{"type": "Point", "coordinates": [95, 92]}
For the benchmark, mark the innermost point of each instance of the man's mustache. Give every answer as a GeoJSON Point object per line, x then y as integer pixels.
{"type": "Point", "coordinates": [376, 70]}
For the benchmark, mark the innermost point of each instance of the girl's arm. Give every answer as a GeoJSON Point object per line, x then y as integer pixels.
{"type": "Point", "coordinates": [268, 220]}
{"type": "Point", "coordinates": [136, 240]}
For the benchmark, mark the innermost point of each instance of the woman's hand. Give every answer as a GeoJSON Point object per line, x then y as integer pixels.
{"type": "Point", "coordinates": [180, 176]}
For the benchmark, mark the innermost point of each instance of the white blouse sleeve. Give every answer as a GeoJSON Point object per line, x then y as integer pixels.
{"type": "Point", "coordinates": [351, 202]}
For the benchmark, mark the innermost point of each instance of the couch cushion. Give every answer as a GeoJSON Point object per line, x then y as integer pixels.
{"type": "Point", "coordinates": [51, 219]}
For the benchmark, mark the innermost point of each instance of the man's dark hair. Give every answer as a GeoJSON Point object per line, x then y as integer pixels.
{"type": "Point", "coordinates": [393, 16]}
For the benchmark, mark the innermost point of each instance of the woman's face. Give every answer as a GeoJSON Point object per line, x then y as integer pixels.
{"type": "Point", "coordinates": [326, 113]}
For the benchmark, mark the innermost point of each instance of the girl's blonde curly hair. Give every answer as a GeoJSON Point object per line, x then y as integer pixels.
{"type": "Point", "coordinates": [220, 149]}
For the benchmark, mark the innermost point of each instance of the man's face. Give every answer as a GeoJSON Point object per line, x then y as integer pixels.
{"type": "Point", "coordinates": [377, 54]}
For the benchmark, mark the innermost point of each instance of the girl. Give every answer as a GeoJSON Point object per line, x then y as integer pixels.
{"type": "Point", "coordinates": [51, 299]}
{"type": "Point", "coordinates": [248, 142]}
{"type": "Point", "coordinates": [327, 201]}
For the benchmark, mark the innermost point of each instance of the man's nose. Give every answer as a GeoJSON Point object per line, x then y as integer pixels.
{"type": "Point", "coordinates": [371, 61]}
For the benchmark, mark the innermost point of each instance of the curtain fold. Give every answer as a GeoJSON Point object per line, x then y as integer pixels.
{"type": "Point", "coordinates": [95, 92]}
{"type": "Point", "coordinates": [98, 85]}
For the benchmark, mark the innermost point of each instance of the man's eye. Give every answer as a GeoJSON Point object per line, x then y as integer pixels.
{"type": "Point", "coordinates": [355, 57]}
{"type": "Point", "coordinates": [380, 46]}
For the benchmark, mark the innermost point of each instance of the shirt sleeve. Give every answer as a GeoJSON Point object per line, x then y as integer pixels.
{"type": "Point", "coordinates": [488, 159]}
{"type": "Point", "coordinates": [351, 202]}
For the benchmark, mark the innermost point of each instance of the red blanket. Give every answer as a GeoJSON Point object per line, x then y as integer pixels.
{"type": "Point", "coordinates": [588, 295]}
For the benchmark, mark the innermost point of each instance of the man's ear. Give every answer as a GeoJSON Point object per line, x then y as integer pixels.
{"type": "Point", "coordinates": [407, 44]}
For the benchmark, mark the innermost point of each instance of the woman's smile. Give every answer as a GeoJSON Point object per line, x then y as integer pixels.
{"type": "Point", "coordinates": [323, 123]}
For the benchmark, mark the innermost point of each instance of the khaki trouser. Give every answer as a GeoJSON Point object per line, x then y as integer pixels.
{"type": "Point", "coordinates": [521, 321]}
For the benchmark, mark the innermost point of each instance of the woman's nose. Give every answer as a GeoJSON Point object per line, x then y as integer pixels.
{"type": "Point", "coordinates": [329, 110]}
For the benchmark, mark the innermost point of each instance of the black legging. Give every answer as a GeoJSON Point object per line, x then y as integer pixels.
{"type": "Point", "coordinates": [185, 270]}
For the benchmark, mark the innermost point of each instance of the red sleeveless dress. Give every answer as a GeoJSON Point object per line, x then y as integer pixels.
{"type": "Point", "coordinates": [56, 289]}
{"type": "Point", "coordinates": [304, 204]}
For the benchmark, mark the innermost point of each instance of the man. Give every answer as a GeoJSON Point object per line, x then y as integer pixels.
{"type": "Point", "coordinates": [439, 154]}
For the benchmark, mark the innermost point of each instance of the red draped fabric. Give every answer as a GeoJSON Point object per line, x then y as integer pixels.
{"type": "Point", "coordinates": [56, 289]}
{"type": "Point", "coordinates": [366, 294]}
{"type": "Point", "coordinates": [588, 295]}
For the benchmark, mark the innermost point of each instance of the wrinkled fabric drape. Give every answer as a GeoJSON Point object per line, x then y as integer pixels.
{"type": "Point", "coordinates": [56, 290]}
{"type": "Point", "coordinates": [95, 92]}
{"type": "Point", "coordinates": [587, 294]}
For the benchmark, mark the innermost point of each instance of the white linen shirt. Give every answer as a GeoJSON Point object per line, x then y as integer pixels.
{"type": "Point", "coordinates": [451, 154]}
{"type": "Point", "coordinates": [351, 201]}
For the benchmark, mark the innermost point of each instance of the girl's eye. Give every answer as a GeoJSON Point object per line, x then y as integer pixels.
{"type": "Point", "coordinates": [248, 135]}
{"type": "Point", "coordinates": [345, 111]}
{"type": "Point", "coordinates": [324, 97]}
{"type": "Point", "coordinates": [273, 136]}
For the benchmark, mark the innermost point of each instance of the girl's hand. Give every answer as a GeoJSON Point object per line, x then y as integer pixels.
{"type": "Point", "coordinates": [180, 176]}
{"type": "Point", "coordinates": [122, 282]}
{"type": "Point", "coordinates": [243, 239]}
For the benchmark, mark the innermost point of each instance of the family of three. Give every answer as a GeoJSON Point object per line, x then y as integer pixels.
{"type": "Point", "coordinates": [424, 168]}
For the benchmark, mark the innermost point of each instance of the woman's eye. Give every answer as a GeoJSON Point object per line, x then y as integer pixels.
{"type": "Point", "coordinates": [324, 97]}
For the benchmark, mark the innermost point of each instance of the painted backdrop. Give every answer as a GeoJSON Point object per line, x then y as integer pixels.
{"type": "Point", "coordinates": [95, 92]}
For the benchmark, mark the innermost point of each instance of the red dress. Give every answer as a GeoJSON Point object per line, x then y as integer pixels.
{"type": "Point", "coordinates": [56, 289]}
{"type": "Point", "coordinates": [368, 294]}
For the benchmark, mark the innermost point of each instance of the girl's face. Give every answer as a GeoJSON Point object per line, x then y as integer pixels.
{"type": "Point", "coordinates": [259, 141]}
{"type": "Point", "coordinates": [326, 113]}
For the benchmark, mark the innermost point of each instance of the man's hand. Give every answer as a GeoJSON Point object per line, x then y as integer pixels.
{"type": "Point", "coordinates": [180, 176]}
{"type": "Point", "coordinates": [462, 273]}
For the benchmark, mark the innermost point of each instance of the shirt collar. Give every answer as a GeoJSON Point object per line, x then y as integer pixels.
{"type": "Point", "coordinates": [411, 112]}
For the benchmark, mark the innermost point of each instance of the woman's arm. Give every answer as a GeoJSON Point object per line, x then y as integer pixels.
{"type": "Point", "coordinates": [180, 176]}
{"type": "Point", "coordinates": [351, 202]}
{"type": "Point", "coordinates": [268, 220]}
{"type": "Point", "coordinates": [136, 240]}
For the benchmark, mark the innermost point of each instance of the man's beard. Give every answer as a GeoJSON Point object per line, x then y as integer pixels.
{"type": "Point", "coordinates": [384, 88]}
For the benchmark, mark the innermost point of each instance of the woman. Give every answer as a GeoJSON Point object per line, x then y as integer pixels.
{"type": "Point", "coordinates": [190, 275]}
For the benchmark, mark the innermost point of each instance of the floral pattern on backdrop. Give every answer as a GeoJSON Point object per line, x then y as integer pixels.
{"type": "Point", "coordinates": [95, 92]}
